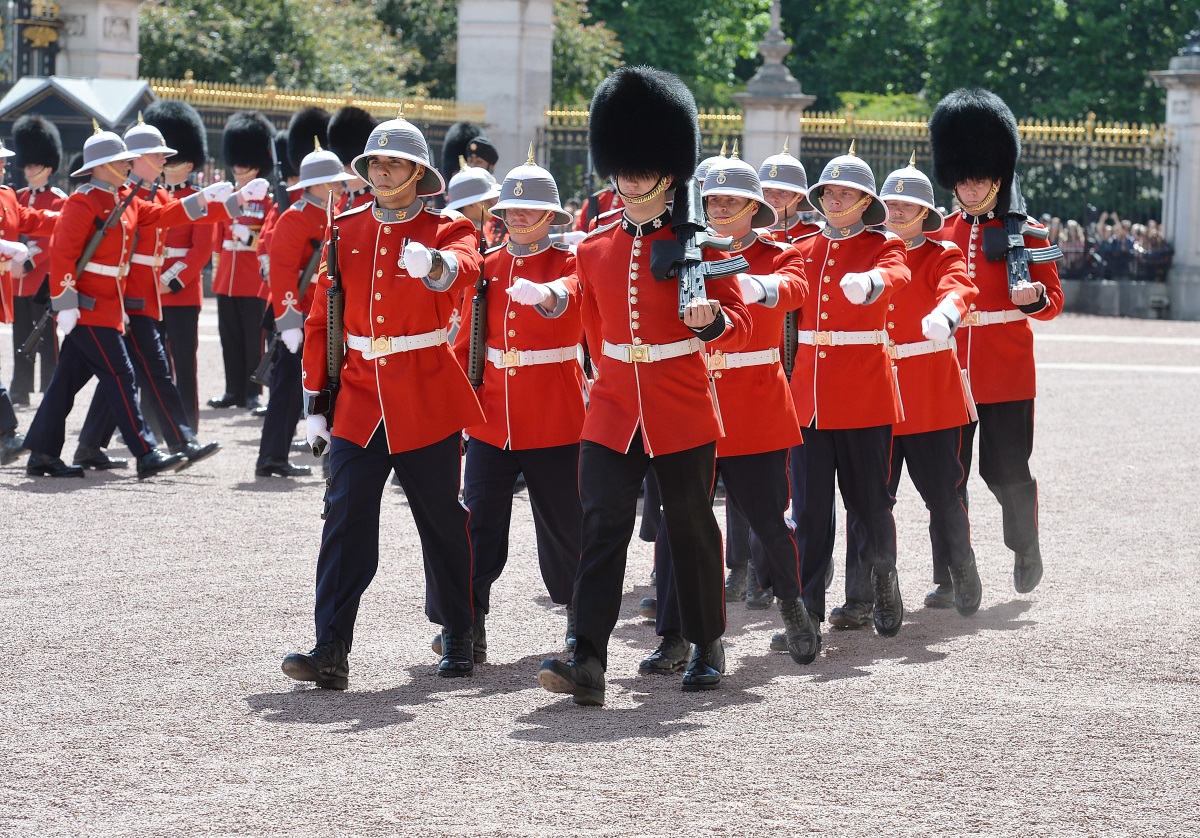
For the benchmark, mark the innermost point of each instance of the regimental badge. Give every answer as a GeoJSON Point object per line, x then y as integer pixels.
{"type": "Point", "coordinates": [657, 223]}
{"type": "Point", "coordinates": [382, 140]}
{"type": "Point", "coordinates": [899, 186]}
{"type": "Point", "coordinates": [379, 215]}
{"type": "Point", "coordinates": [720, 177]}
{"type": "Point", "coordinates": [774, 172]}
{"type": "Point", "coordinates": [533, 248]}
{"type": "Point", "coordinates": [836, 173]}
{"type": "Point", "coordinates": [519, 189]}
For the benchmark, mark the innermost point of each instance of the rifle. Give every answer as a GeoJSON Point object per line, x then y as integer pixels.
{"type": "Point", "coordinates": [1009, 244]}
{"type": "Point", "coordinates": [262, 373]}
{"type": "Point", "coordinates": [29, 348]}
{"type": "Point", "coordinates": [791, 322]}
{"type": "Point", "coordinates": [324, 401]}
{"type": "Point", "coordinates": [682, 259]}
{"type": "Point", "coordinates": [479, 306]}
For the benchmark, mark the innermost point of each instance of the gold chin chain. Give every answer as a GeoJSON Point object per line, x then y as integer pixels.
{"type": "Point", "coordinates": [387, 193]}
{"type": "Point", "coordinates": [866, 199]}
{"type": "Point", "coordinates": [520, 231]}
{"type": "Point", "coordinates": [658, 189]}
{"type": "Point", "coordinates": [753, 205]}
{"type": "Point", "coordinates": [978, 209]}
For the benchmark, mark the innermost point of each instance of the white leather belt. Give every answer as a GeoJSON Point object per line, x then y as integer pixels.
{"type": "Point", "coordinates": [143, 259]}
{"type": "Point", "coordinates": [842, 338]}
{"type": "Point", "coordinates": [232, 245]}
{"type": "Point", "coordinates": [502, 359]}
{"type": "Point", "coordinates": [921, 347]}
{"type": "Point", "coordinates": [718, 360]}
{"type": "Point", "coordinates": [988, 318]}
{"type": "Point", "coordinates": [372, 348]}
{"type": "Point", "coordinates": [105, 270]}
{"type": "Point", "coordinates": [649, 353]}
{"type": "Point", "coordinates": [175, 252]}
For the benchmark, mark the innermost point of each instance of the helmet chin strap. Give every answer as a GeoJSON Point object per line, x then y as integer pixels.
{"type": "Point", "coordinates": [982, 206]}
{"type": "Point", "coordinates": [520, 231]}
{"type": "Point", "coordinates": [866, 199]}
{"type": "Point", "coordinates": [750, 207]}
{"type": "Point", "coordinates": [387, 193]}
{"type": "Point", "coordinates": [658, 189]}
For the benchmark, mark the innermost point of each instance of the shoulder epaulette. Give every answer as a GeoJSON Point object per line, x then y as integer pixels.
{"type": "Point", "coordinates": [453, 215]}
{"type": "Point", "coordinates": [603, 229]}
{"type": "Point", "coordinates": [353, 211]}
{"type": "Point", "coordinates": [945, 244]}
{"type": "Point", "coordinates": [561, 246]}
{"type": "Point", "coordinates": [773, 242]}
{"type": "Point", "coordinates": [58, 192]}
{"type": "Point", "coordinates": [493, 249]}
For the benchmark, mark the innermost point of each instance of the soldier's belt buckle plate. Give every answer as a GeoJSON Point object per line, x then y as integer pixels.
{"type": "Point", "coordinates": [639, 354]}
{"type": "Point", "coordinates": [717, 361]}
{"type": "Point", "coordinates": [971, 319]}
{"type": "Point", "coordinates": [823, 338]}
{"type": "Point", "coordinates": [512, 358]}
{"type": "Point", "coordinates": [381, 345]}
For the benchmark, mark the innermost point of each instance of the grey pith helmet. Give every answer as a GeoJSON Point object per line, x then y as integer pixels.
{"type": "Point", "coordinates": [5, 151]}
{"type": "Point", "coordinates": [707, 163]}
{"type": "Point", "coordinates": [100, 148]}
{"type": "Point", "coordinates": [146, 139]}
{"type": "Point", "coordinates": [783, 171]}
{"type": "Point", "coordinates": [470, 185]}
{"type": "Point", "coordinates": [850, 170]}
{"type": "Point", "coordinates": [737, 177]}
{"type": "Point", "coordinates": [529, 186]}
{"type": "Point", "coordinates": [320, 166]}
{"type": "Point", "coordinates": [400, 138]}
{"type": "Point", "coordinates": [912, 185]}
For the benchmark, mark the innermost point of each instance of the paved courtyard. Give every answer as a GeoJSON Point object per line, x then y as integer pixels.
{"type": "Point", "coordinates": [144, 624]}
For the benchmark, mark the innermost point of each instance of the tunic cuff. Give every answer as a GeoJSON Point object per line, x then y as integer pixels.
{"type": "Point", "coordinates": [1036, 306]}
{"type": "Point", "coordinates": [232, 206]}
{"type": "Point", "coordinates": [449, 273]}
{"type": "Point", "coordinates": [291, 319]}
{"type": "Point", "coordinates": [67, 299]}
{"type": "Point", "coordinates": [770, 284]}
{"type": "Point", "coordinates": [561, 299]}
{"type": "Point", "coordinates": [877, 287]}
{"type": "Point", "coordinates": [195, 206]}
{"type": "Point", "coordinates": [713, 330]}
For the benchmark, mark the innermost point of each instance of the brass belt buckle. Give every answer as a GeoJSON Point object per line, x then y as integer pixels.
{"type": "Point", "coordinates": [381, 345]}
{"type": "Point", "coordinates": [639, 354]}
{"type": "Point", "coordinates": [511, 358]}
{"type": "Point", "coordinates": [823, 338]}
{"type": "Point", "coordinates": [717, 360]}
{"type": "Point", "coordinates": [972, 319]}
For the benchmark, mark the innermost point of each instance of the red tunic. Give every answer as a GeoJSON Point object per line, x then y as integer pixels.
{"type": "Point", "coordinates": [17, 220]}
{"type": "Point", "coordinates": [50, 198]}
{"type": "Point", "coordinates": [756, 406]}
{"type": "Point", "coordinates": [299, 231]}
{"type": "Point", "coordinates": [541, 405]}
{"type": "Point", "coordinates": [930, 384]}
{"type": "Point", "coordinates": [668, 399]}
{"type": "Point", "coordinates": [238, 271]}
{"type": "Point", "coordinates": [851, 386]}
{"type": "Point", "coordinates": [998, 358]}
{"type": "Point", "coordinates": [193, 246]}
{"type": "Point", "coordinates": [421, 396]}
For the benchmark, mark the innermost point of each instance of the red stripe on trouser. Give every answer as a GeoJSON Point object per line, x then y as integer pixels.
{"type": "Point", "coordinates": [133, 415]}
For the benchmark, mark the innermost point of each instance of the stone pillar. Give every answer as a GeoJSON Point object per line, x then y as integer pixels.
{"type": "Point", "coordinates": [1181, 204]}
{"type": "Point", "coordinates": [773, 101]}
{"type": "Point", "coordinates": [100, 39]}
{"type": "Point", "coordinates": [505, 52]}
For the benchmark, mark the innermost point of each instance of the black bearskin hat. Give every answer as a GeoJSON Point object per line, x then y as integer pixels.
{"type": "Point", "coordinates": [349, 130]}
{"type": "Point", "coordinates": [306, 125]}
{"type": "Point", "coordinates": [455, 146]}
{"type": "Point", "coordinates": [974, 137]}
{"type": "Point", "coordinates": [249, 141]}
{"type": "Point", "coordinates": [182, 128]}
{"type": "Point", "coordinates": [643, 121]}
{"type": "Point", "coordinates": [37, 142]}
{"type": "Point", "coordinates": [286, 169]}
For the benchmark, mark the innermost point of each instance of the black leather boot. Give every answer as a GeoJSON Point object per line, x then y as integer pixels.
{"type": "Point", "coordinates": [968, 590]}
{"type": "Point", "coordinates": [1027, 569]}
{"type": "Point", "coordinates": [43, 465]}
{"type": "Point", "coordinates": [97, 458]}
{"type": "Point", "coordinates": [853, 615]}
{"type": "Point", "coordinates": [889, 608]}
{"type": "Point", "coordinates": [735, 583]}
{"type": "Point", "coordinates": [479, 649]}
{"type": "Point", "coordinates": [458, 652]}
{"type": "Point", "coordinates": [940, 596]}
{"type": "Point", "coordinates": [156, 461]}
{"type": "Point", "coordinates": [12, 446]}
{"type": "Point", "coordinates": [671, 656]}
{"type": "Point", "coordinates": [648, 608]}
{"type": "Point", "coordinates": [268, 466]}
{"type": "Point", "coordinates": [225, 400]}
{"type": "Point", "coordinates": [759, 599]}
{"type": "Point", "coordinates": [706, 668]}
{"type": "Point", "coordinates": [802, 635]}
{"type": "Point", "coordinates": [580, 678]}
{"type": "Point", "coordinates": [569, 639]}
{"type": "Point", "coordinates": [327, 665]}
{"type": "Point", "coordinates": [195, 450]}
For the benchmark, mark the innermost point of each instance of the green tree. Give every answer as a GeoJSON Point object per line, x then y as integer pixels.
{"type": "Point", "coordinates": [429, 30]}
{"type": "Point", "coordinates": [584, 52]}
{"type": "Point", "coordinates": [322, 44]}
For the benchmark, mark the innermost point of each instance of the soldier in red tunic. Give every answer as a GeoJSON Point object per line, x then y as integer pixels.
{"type": "Point", "coordinates": [349, 130]}
{"type": "Point", "coordinates": [404, 401]}
{"type": "Point", "coordinates": [785, 186]}
{"type": "Point", "coordinates": [650, 406]}
{"type": "Point", "coordinates": [975, 152]}
{"type": "Point", "coordinates": [844, 388]}
{"type": "Point", "coordinates": [39, 154]}
{"type": "Point", "coordinates": [531, 394]}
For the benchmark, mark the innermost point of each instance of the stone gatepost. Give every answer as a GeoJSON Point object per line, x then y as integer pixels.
{"type": "Point", "coordinates": [1181, 205]}
{"type": "Point", "coordinates": [773, 101]}
{"type": "Point", "coordinates": [505, 53]}
{"type": "Point", "coordinates": [99, 39]}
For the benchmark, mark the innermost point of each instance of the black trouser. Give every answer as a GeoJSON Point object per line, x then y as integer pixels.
{"type": "Point", "coordinates": [26, 313]}
{"type": "Point", "coordinates": [285, 406]}
{"type": "Point", "coordinates": [933, 466]}
{"type": "Point", "coordinates": [8, 416]}
{"type": "Point", "coordinates": [90, 351]}
{"type": "Point", "coordinates": [239, 322]}
{"type": "Point", "coordinates": [349, 553]}
{"type": "Point", "coordinates": [552, 475]}
{"type": "Point", "coordinates": [859, 460]}
{"type": "Point", "coordinates": [159, 394]}
{"type": "Point", "coordinates": [756, 485]}
{"type": "Point", "coordinates": [179, 330]}
{"type": "Point", "coordinates": [609, 482]}
{"type": "Point", "coordinates": [651, 509]}
{"type": "Point", "coordinates": [1005, 446]}
{"type": "Point", "coordinates": [743, 548]}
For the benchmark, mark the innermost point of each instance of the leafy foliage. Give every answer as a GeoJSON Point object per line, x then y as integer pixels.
{"type": "Point", "coordinates": [585, 51]}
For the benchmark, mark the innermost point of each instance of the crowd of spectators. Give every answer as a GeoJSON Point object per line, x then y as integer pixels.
{"type": "Point", "coordinates": [1111, 248]}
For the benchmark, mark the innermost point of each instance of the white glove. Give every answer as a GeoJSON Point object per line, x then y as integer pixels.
{"type": "Point", "coordinates": [936, 326]}
{"type": "Point", "coordinates": [529, 293]}
{"type": "Point", "coordinates": [255, 190]}
{"type": "Point", "coordinates": [217, 192]}
{"type": "Point", "coordinates": [417, 260]}
{"type": "Point", "coordinates": [752, 289]}
{"type": "Point", "coordinates": [16, 251]}
{"type": "Point", "coordinates": [857, 287]}
{"type": "Point", "coordinates": [573, 237]}
{"type": "Point", "coordinates": [264, 265]}
{"type": "Point", "coordinates": [1024, 293]}
{"type": "Point", "coordinates": [240, 232]}
{"type": "Point", "coordinates": [67, 318]}
{"type": "Point", "coordinates": [317, 428]}
{"type": "Point", "coordinates": [292, 338]}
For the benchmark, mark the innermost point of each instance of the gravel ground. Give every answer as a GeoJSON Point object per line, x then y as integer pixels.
{"type": "Point", "coordinates": [147, 621]}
